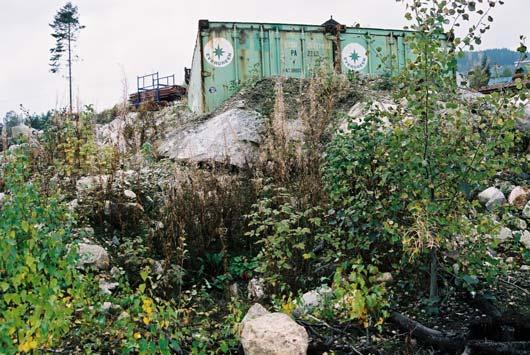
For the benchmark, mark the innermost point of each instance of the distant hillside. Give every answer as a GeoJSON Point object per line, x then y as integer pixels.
{"type": "Point", "coordinates": [503, 57]}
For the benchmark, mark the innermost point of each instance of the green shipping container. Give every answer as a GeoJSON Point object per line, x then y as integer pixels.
{"type": "Point", "coordinates": [230, 53]}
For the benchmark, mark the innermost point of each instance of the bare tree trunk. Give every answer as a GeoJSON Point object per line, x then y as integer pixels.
{"type": "Point", "coordinates": [70, 66]}
{"type": "Point", "coordinates": [433, 288]}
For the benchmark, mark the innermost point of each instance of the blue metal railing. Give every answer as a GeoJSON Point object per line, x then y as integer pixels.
{"type": "Point", "coordinates": [153, 82]}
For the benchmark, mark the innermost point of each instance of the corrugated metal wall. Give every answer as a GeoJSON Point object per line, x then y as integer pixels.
{"type": "Point", "coordinates": [230, 53]}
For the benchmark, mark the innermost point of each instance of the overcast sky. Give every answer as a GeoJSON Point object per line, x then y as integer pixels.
{"type": "Point", "coordinates": [125, 38]}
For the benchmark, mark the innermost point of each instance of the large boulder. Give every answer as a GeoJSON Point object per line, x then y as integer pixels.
{"type": "Point", "coordinates": [231, 137]}
{"type": "Point", "coordinates": [274, 334]}
{"type": "Point", "coordinates": [93, 255]}
{"type": "Point", "coordinates": [256, 311]}
{"type": "Point", "coordinates": [23, 131]}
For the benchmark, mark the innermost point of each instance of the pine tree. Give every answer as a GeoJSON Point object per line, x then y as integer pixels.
{"type": "Point", "coordinates": [66, 28]}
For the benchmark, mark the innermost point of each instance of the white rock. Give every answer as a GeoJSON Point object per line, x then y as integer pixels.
{"type": "Point", "coordinates": [23, 131]}
{"type": "Point", "coordinates": [107, 306]}
{"type": "Point", "coordinates": [107, 208]}
{"type": "Point", "coordinates": [73, 205]}
{"type": "Point", "coordinates": [2, 198]}
{"type": "Point", "coordinates": [361, 110]}
{"type": "Point", "coordinates": [505, 234]}
{"type": "Point", "coordinates": [525, 268]}
{"type": "Point", "coordinates": [490, 194]}
{"type": "Point", "coordinates": [107, 287]}
{"type": "Point", "coordinates": [256, 289]}
{"type": "Point", "coordinates": [510, 260]}
{"type": "Point", "coordinates": [495, 203]}
{"type": "Point", "coordinates": [520, 224]}
{"type": "Point", "coordinates": [256, 311]}
{"type": "Point", "coordinates": [525, 239]}
{"type": "Point", "coordinates": [129, 194]}
{"type": "Point", "coordinates": [92, 254]}
{"type": "Point", "coordinates": [492, 198]}
{"type": "Point", "coordinates": [518, 197]}
{"type": "Point", "coordinates": [230, 137]}
{"type": "Point", "coordinates": [274, 334]}
{"type": "Point", "coordinates": [311, 299]}
{"type": "Point", "coordinates": [158, 267]}
{"type": "Point", "coordinates": [526, 210]}
{"type": "Point", "coordinates": [88, 184]}
{"type": "Point", "coordinates": [385, 277]}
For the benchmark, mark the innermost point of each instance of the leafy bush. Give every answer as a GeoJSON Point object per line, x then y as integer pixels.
{"type": "Point", "coordinates": [37, 268]}
{"type": "Point", "coordinates": [286, 236]}
{"type": "Point", "coordinates": [360, 296]}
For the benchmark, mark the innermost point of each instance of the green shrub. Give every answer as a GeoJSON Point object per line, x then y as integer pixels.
{"type": "Point", "coordinates": [286, 236]}
{"type": "Point", "coordinates": [37, 268]}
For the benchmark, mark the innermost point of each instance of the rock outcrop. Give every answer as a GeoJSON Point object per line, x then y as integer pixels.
{"type": "Point", "coordinates": [231, 137]}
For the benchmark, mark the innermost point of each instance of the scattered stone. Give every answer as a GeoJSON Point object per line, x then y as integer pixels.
{"type": "Point", "coordinates": [505, 234]}
{"type": "Point", "coordinates": [489, 194]}
{"type": "Point", "coordinates": [510, 260]}
{"type": "Point", "coordinates": [256, 289]}
{"type": "Point", "coordinates": [233, 290]}
{"type": "Point", "coordinates": [157, 266]}
{"type": "Point", "coordinates": [124, 315]}
{"type": "Point", "coordinates": [526, 210]}
{"type": "Point", "coordinates": [107, 287]}
{"type": "Point", "coordinates": [492, 198]}
{"type": "Point", "coordinates": [93, 254]}
{"type": "Point", "coordinates": [88, 184]}
{"type": "Point", "coordinates": [385, 277]}
{"type": "Point", "coordinates": [107, 208]}
{"type": "Point", "coordinates": [107, 306]}
{"type": "Point", "coordinates": [311, 299]}
{"type": "Point", "coordinates": [129, 194]}
{"type": "Point", "coordinates": [525, 268]}
{"type": "Point", "coordinates": [274, 334]}
{"type": "Point", "coordinates": [520, 224]}
{"type": "Point", "coordinates": [158, 225]}
{"type": "Point", "coordinates": [525, 239]}
{"type": "Point", "coordinates": [73, 205]}
{"type": "Point", "coordinates": [495, 203]}
{"type": "Point", "coordinates": [518, 197]}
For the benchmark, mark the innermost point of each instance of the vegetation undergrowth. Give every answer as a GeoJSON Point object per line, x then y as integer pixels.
{"type": "Point", "coordinates": [353, 208]}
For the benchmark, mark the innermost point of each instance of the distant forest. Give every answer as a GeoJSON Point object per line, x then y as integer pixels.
{"type": "Point", "coordinates": [502, 57]}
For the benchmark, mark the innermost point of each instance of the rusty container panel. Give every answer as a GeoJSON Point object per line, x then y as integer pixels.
{"type": "Point", "coordinates": [229, 54]}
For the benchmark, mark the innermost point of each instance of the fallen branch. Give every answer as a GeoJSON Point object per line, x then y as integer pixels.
{"type": "Point", "coordinates": [525, 291]}
{"type": "Point", "coordinates": [428, 336]}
